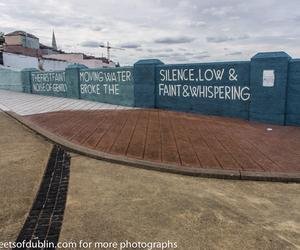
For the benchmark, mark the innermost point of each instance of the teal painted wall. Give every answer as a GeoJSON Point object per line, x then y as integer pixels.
{"type": "Point", "coordinates": [293, 96]}
{"type": "Point", "coordinates": [268, 104]}
{"type": "Point", "coordinates": [73, 81]}
{"type": "Point", "coordinates": [11, 80]}
{"type": "Point", "coordinates": [206, 88]}
{"type": "Point", "coordinates": [111, 85]}
{"type": "Point", "coordinates": [49, 83]}
{"type": "Point", "coordinates": [144, 81]}
{"type": "Point", "coordinates": [265, 89]}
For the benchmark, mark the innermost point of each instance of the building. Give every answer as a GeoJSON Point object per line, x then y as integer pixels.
{"type": "Point", "coordinates": [47, 50]}
{"type": "Point", "coordinates": [81, 58]}
{"type": "Point", "coordinates": [21, 42]}
{"type": "Point", "coordinates": [23, 50]}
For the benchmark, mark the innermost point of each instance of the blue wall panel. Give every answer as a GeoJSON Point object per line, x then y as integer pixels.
{"type": "Point", "coordinates": [207, 88]}
{"type": "Point", "coordinates": [293, 96]}
{"type": "Point", "coordinates": [268, 104]}
{"type": "Point", "coordinates": [52, 83]}
{"type": "Point", "coordinates": [11, 80]}
{"type": "Point", "coordinates": [111, 85]}
{"type": "Point", "coordinates": [234, 89]}
{"type": "Point", "coordinates": [144, 81]}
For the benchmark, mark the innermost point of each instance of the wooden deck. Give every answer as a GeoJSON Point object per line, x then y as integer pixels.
{"type": "Point", "coordinates": [179, 138]}
{"type": "Point", "coordinates": [160, 136]}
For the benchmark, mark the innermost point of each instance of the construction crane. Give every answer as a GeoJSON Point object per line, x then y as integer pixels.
{"type": "Point", "coordinates": [108, 48]}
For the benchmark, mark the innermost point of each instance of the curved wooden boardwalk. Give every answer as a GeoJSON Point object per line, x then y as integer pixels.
{"type": "Point", "coordinates": [164, 137]}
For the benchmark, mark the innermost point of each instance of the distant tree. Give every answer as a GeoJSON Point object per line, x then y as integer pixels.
{"type": "Point", "coordinates": [2, 40]}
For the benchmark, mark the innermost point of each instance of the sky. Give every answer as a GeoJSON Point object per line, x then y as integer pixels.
{"type": "Point", "coordinates": [174, 31]}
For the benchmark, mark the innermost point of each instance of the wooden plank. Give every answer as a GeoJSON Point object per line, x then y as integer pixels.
{"type": "Point", "coordinates": [137, 144]}
{"type": "Point", "coordinates": [153, 141]}
{"type": "Point", "coordinates": [184, 146]}
{"type": "Point", "coordinates": [121, 144]}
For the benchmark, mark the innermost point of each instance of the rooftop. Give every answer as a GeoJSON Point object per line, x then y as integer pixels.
{"type": "Point", "coordinates": [21, 33]}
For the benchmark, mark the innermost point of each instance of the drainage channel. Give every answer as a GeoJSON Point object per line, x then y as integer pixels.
{"type": "Point", "coordinates": [44, 221]}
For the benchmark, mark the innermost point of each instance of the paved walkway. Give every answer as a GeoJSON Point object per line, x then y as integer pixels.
{"type": "Point", "coordinates": [163, 137]}
{"type": "Point", "coordinates": [26, 104]}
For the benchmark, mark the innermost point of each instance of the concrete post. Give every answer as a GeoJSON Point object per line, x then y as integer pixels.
{"type": "Point", "coordinates": [73, 80]}
{"type": "Point", "coordinates": [26, 79]}
{"type": "Point", "coordinates": [268, 85]}
{"type": "Point", "coordinates": [293, 96]}
{"type": "Point", "coordinates": [144, 82]}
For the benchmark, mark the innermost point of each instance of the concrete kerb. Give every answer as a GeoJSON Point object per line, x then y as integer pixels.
{"type": "Point", "coordinates": [189, 171]}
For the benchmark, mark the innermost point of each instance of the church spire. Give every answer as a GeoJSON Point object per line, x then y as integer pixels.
{"type": "Point", "coordinates": [54, 46]}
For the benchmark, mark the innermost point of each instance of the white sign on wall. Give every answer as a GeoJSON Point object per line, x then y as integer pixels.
{"type": "Point", "coordinates": [268, 78]}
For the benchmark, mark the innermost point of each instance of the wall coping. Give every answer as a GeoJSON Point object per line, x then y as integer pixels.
{"type": "Point", "coordinates": [265, 55]}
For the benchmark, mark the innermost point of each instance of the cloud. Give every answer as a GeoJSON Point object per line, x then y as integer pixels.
{"type": "Point", "coordinates": [234, 18]}
{"type": "Point", "coordinates": [221, 39]}
{"type": "Point", "coordinates": [162, 55]}
{"type": "Point", "coordinates": [7, 29]}
{"type": "Point", "coordinates": [174, 40]}
{"type": "Point", "coordinates": [174, 54]}
{"type": "Point", "coordinates": [243, 37]}
{"type": "Point", "coordinates": [189, 54]}
{"type": "Point", "coordinates": [237, 53]}
{"type": "Point", "coordinates": [129, 45]}
{"type": "Point", "coordinates": [218, 39]}
{"type": "Point", "coordinates": [200, 57]}
{"type": "Point", "coordinates": [97, 28]}
{"type": "Point", "coordinates": [68, 45]}
{"type": "Point", "coordinates": [217, 11]}
{"type": "Point", "coordinates": [196, 24]}
{"type": "Point", "coordinates": [149, 28]}
{"type": "Point", "coordinates": [90, 44]}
